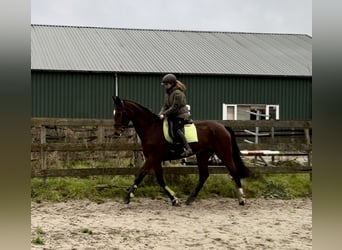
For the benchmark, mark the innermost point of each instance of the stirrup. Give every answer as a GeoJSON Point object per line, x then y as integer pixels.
{"type": "Point", "coordinates": [186, 153]}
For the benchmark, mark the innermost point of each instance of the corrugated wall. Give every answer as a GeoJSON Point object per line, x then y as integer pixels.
{"type": "Point", "coordinates": [142, 88]}
{"type": "Point", "coordinates": [86, 95]}
{"type": "Point", "coordinates": [206, 94]}
{"type": "Point", "coordinates": [72, 95]}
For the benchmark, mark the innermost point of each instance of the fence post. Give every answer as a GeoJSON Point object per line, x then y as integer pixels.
{"type": "Point", "coordinates": [256, 135]}
{"type": "Point", "coordinates": [272, 138]}
{"type": "Point", "coordinates": [308, 142]}
{"type": "Point", "coordinates": [43, 153]}
{"type": "Point", "coordinates": [100, 138]}
{"type": "Point", "coordinates": [100, 134]}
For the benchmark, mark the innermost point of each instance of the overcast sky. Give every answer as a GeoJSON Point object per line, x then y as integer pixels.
{"type": "Point", "coordinates": [265, 16]}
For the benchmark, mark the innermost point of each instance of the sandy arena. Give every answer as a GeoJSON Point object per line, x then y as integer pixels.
{"type": "Point", "coordinates": [218, 223]}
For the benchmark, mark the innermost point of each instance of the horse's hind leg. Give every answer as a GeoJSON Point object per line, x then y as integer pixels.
{"type": "Point", "coordinates": [235, 175]}
{"type": "Point", "coordinates": [160, 178]}
{"type": "Point", "coordinates": [227, 160]}
{"type": "Point", "coordinates": [202, 162]}
{"type": "Point", "coordinates": [239, 191]}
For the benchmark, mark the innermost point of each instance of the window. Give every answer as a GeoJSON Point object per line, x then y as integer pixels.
{"type": "Point", "coordinates": [250, 112]}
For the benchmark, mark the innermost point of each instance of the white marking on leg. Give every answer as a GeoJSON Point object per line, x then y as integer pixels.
{"type": "Point", "coordinates": [241, 195]}
{"type": "Point", "coordinates": [170, 191]}
{"type": "Point", "coordinates": [175, 202]}
{"type": "Point", "coordinates": [240, 190]}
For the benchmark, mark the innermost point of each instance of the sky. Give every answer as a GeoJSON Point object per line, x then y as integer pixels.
{"type": "Point", "coordinates": [255, 16]}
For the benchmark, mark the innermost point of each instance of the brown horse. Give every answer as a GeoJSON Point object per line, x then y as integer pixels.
{"type": "Point", "coordinates": [213, 138]}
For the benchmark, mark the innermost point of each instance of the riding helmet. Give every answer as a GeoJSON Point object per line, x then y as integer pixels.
{"type": "Point", "coordinates": [170, 78]}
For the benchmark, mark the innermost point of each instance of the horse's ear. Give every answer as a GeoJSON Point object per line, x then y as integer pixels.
{"type": "Point", "coordinates": [117, 101]}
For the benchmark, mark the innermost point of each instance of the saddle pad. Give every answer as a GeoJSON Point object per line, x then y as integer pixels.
{"type": "Point", "coordinates": [189, 131]}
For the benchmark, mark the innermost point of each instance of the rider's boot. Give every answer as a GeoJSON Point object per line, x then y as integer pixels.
{"type": "Point", "coordinates": [188, 150]}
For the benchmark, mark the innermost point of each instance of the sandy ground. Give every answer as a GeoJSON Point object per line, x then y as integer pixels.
{"type": "Point", "coordinates": [218, 223]}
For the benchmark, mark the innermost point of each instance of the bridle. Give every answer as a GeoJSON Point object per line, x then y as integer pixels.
{"type": "Point", "coordinates": [121, 125]}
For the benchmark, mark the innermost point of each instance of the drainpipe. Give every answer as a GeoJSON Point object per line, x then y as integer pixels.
{"type": "Point", "coordinates": [116, 85]}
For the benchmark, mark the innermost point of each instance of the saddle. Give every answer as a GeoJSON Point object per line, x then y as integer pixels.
{"type": "Point", "coordinates": [190, 132]}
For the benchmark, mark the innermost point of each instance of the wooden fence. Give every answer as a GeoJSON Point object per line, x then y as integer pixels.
{"type": "Point", "coordinates": [290, 138]}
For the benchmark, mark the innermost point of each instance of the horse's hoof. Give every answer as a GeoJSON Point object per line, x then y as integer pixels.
{"type": "Point", "coordinates": [126, 200]}
{"type": "Point", "coordinates": [190, 200]}
{"type": "Point", "coordinates": [175, 202]}
{"type": "Point", "coordinates": [242, 203]}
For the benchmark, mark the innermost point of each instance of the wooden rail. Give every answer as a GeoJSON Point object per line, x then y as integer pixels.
{"type": "Point", "coordinates": [99, 144]}
{"type": "Point", "coordinates": [180, 170]}
{"type": "Point", "coordinates": [78, 147]}
{"type": "Point", "coordinates": [232, 124]}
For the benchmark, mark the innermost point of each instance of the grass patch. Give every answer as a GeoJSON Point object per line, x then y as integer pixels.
{"type": "Point", "coordinates": [86, 231]}
{"type": "Point", "coordinates": [283, 186]}
{"type": "Point", "coordinates": [38, 240]}
{"type": "Point", "coordinates": [39, 231]}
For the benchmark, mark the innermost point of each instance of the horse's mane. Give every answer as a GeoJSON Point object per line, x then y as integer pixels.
{"type": "Point", "coordinates": [153, 115]}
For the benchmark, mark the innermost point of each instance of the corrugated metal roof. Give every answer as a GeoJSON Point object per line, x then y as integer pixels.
{"type": "Point", "coordinates": [159, 51]}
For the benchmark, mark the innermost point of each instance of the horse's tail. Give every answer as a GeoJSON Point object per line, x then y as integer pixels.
{"type": "Point", "coordinates": [242, 169]}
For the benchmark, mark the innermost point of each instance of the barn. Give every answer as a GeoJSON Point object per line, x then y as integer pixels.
{"type": "Point", "coordinates": [76, 70]}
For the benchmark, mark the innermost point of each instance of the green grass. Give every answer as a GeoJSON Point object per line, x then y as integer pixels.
{"type": "Point", "coordinates": [284, 186]}
{"type": "Point", "coordinates": [38, 240]}
{"type": "Point", "coordinates": [39, 231]}
{"type": "Point", "coordinates": [86, 231]}
{"type": "Point", "coordinates": [100, 189]}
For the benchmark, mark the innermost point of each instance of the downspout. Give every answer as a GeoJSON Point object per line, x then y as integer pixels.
{"type": "Point", "coordinates": [116, 85]}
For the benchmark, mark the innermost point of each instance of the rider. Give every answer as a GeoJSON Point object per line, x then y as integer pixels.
{"type": "Point", "coordinates": [175, 109]}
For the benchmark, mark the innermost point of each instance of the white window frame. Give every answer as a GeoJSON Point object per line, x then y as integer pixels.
{"type": "Point", "coordinates": [224, 113]}
{"type": "Point", "coordinates": [268, 111]}
{"type": "Point", "coordinates": [235, 108]}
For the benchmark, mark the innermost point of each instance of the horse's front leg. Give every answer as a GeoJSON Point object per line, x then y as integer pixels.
{"type": "Point", "coordinates": [202, 163]}
{"type": "Point", "coordinates": [143, 171]}
{"type": "Point", "coordinates": [160, 178]}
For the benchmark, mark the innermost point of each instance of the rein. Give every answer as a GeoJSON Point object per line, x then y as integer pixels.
{"type": "Point", "coordinates": [124, 126]}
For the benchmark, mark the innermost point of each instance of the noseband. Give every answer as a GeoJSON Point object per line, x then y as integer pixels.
{"type": "Point", "coordinates": [120, 127]}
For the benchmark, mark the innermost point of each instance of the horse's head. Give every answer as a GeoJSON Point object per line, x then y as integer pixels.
{"type": "Point", "coordinates": [121, 118]}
